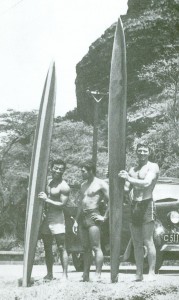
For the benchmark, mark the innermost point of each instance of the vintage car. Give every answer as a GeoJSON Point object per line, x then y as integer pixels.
{"type": "Point", "coordinates": [166, 233]}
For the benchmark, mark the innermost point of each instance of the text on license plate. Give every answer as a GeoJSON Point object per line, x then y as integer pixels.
{"type": "Point", "coordinates": [171, 238]}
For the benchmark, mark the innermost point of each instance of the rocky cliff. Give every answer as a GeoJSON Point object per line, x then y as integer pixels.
{"type": "Point", "coordinates": [152, 34]}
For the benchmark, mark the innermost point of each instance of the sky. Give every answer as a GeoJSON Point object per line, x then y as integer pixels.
{"type": "Point", "coordinates": [33, 33]}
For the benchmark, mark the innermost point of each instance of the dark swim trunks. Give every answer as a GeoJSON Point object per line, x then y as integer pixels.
{"type": "Point", "coordinates": [86, 218]}
{"type": "Point", "coordinates": [142, 212]}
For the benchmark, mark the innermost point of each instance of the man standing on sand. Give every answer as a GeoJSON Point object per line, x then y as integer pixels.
{"type": "Point", "coordinates": [93, 190]}
{"type": "Point", "coordinates": [53, 224]}
{"type": "Point", "coordinates": [140, 182]}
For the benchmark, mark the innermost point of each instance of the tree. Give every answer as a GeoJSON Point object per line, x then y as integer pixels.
{"type": "Point", "coordinates": [16, 129]}
{"type": "Point", "coordinates": [165, 74]}
{"type": "Point", "coordinates": [73, 142]}
{"type": "Point", "coordinates": [72, 115]}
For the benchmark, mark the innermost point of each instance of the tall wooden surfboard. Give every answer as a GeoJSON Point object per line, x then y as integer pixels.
{"type": "Point", "coordinates": [38, 172]}
{"type": "Point", "coordinates": [116, 142]}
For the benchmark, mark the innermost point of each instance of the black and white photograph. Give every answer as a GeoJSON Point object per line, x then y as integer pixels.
{"type": "Point", "coordinates": [89, 149]}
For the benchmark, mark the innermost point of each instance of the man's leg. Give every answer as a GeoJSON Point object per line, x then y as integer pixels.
{"type": "Point", "coordinates": [148, 230]}
{"type": "Point", "coordinates": [47, 241]}
{"type": "Point", "coordinates": [60, 240]}
{"type": "Point", "coordinates": [136, 234]}
{"type": "Point", "coordinates": [84, 237]}
{"type": "Point", "coordinates": [94, 235]}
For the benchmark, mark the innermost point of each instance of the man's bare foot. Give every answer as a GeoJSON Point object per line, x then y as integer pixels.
{"type": "Point", "coordinates": [97, 278]}
{"type": "Point", "coordinates": [150, 277]}
{"type": "Point", "coordinates": [48, 277]}
{"type": "Point", "coordinates": [85, 278]}
{"type": "Point", "coordinates": [138, 278]}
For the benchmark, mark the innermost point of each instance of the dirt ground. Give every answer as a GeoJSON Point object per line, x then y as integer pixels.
{"type": "Point", "coordinates": [164, 288]}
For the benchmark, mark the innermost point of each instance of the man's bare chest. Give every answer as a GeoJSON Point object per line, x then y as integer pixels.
{"type": "Point", "coordinates": [53, 189]}
{"type": "Point", "coordinates": [91, 191]}
{"type": "Point", "coordinates": [140, 173]}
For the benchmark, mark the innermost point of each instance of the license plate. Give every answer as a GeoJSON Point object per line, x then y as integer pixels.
{"type": "Point", "coordinates": [171, 238]}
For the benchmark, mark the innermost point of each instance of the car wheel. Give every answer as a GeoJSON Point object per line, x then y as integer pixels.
{"type": "Point", "coordinates": [78, 261]}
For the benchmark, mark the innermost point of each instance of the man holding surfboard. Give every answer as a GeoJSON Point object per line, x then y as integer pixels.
{"type": "Point", "coordinates": [53, 225]}
{"type": "Point", "coordinates": [140, 182]}
{"type": "Point", "coordinates": [89, 219]}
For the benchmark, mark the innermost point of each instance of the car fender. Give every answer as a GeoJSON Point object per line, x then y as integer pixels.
{"type": "Point", "coordinates": [159, 231]}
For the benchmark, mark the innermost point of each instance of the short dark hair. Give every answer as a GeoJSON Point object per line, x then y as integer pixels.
{"type": "Point", "coordinates": [58, 161]}
{"type": "Point", "coordinates": [89, 166]}
{"type": "Point", "coordinates": [143, 144]}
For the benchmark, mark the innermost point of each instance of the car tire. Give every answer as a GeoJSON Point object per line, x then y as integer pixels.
{"type": "Point", "coordinates": [78, 261]}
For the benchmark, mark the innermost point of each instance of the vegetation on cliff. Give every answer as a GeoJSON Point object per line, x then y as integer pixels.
{"type": "Point", "coordinates": [152, 37]}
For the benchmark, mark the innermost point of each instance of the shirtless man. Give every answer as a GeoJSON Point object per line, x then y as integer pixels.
{"type": "Point", "coordinates": [140, 182]}
{"type": "Point", "coordinates": [93, 190]}
{"type": "Point", "coordinates": [53, 225]}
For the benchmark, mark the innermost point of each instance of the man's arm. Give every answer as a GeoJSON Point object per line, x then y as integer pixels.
{"type": "Point", "coordinates": [127, 187]}
{"type": "Point", "coordinates": [151, 175]}
{"type": "Point", "coordinates": [63, 199]}
{"type": "Point", "coordinates": [79, 207]}
{"type": "Point", "coordinates": [64, 196]}
{"type": "Point", "coordinates": [105, 190]}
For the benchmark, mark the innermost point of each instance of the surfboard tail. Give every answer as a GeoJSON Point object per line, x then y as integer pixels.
{"type": "Point", "coordinates": [117, 143]}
